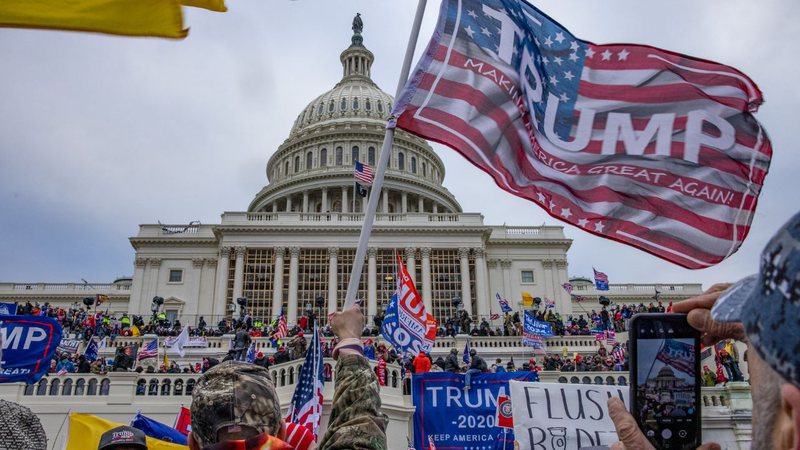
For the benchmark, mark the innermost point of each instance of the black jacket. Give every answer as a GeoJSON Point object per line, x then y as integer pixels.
{"type": "Point", "coordinates": [451, 363]}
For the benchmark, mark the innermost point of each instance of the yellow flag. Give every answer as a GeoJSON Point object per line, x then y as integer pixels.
{"type": "Point", "coordinates": [166, 359]}
{"type": "Point", "coordinates": [85, 431]}
{"type": "Point", "coordinates": [212, 5]}
{"type": "Point", "coordinates": [527, 299]}
{"type": "Point", "coordinates": [135, 331]}
{"type": "Point", "coordinates": [159, 18]}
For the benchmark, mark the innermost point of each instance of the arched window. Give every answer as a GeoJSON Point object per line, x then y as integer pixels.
{"type": "Point", "coordinates": [92, 388]}
{"type": "Point", "coordinates": [355, 103]}
{"type": "Point", "coordinates": [179, 387]}
{"type": "Point", "coordinates": [189, 387]}
{"type": "Point", "coordinates": [309, 160]}
{"type": "Point", "coordinates": [41, 388]}
{"type": "Point", "coordinates": [29, 389]}
{"type": "Point", "coordinates": [424, 169]}
{"type": "Point", "coordinates": [291, 375]}
{"type": "Point", "coordinates": [67, 388]}
{"type": "Point", "coordinates": [371, 156]}
{"type": "Point", "coordinates": [286, 169]}
{"type": "Point", "coordinates": [153, 388]}
{"type": "Point", "coordinates": [339, 156]}
{"type": "Point", "coordinates": [343, 104]}
{"type": "Point", "coordinates": [296, 164]}
{"type": "Point", "coordinates": [323, 157]}
{"type": "Point", "coordinates": [413, 165]}
{"type": "Point", "coordinates": [79, 386]}
{"type": "Point", "coordinates": [401, 161]}
{"type": "Point", "coordinates": [320, 110]}
{"type": "Point", "coordinates": [367, 105]}
{"type": "Point", "coordinates": [331, 106]}
{"type": "Point", "coordinates": [54, 385]}
{"type": "Point", "coordinates": [166, 386]}
{"type": "Point", "coordinates": [105, 385]}
{"type": "Point", "coordinates": [380, 106]}
{"type": "Point", "coordinates": [354, 154]}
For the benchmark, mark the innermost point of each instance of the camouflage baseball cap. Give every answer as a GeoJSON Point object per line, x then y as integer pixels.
{"type": "Point", "coordinates": [234, 395]}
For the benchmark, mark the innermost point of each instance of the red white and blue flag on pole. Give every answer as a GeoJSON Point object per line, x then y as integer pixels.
{"type": "Point", "coordinates": [281, 330]}
{"type": "Point", "coordinates": [504, 306]}
{"type": "Point", "coordinates": [363, 173]}
{"type": "Point", "coordinates": [306, 406]}
{"type": "Point", "coordinates": [632, 143]}
{"type": "Point", "coordinates": [678, 355]}
{"type": "Point", "coordinates": [567, 287]}
{"type": "Point", "coordinates": [406, 324]}
{"type": "Point", "coordinates": [600, 280]}
{"type": "Point", "coordinates": [149, 351]}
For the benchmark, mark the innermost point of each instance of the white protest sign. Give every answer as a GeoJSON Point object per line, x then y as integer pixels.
{"type": "Point", "coordinates": [560, 416]}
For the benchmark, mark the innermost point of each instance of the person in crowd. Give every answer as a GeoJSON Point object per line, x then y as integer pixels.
{"type": "Point", "coordinates": [242, 342]}
{"type": "Point", "coordinates": [709, 378]}
{"type": "Point", "coordinates": [422, 362]}
{"type": "Point", "coordinates": [282, 356]}
{"type": "Point", "coordinates": [476, 365]}
{"type": "Point", "coordinates": [438, 365]}
{"type": "Point", "coordinates": [497, 367]}
{"type": "Point", "coordinates": [731, 366]}
{"type": "Point", "coordinates": [755, 311]}
{"type": "Point", "coordinates": [83, 365]}
{"type": "Point", "coordinates": [452, 364]}
{"type": "Point", "coordinates": [369, 349]}
{"type": "Point", "coordinates": [123, 438]}
{"type": "Point", "coordinates": [253, 418]}
{"type": "Point", "coordinates": [261, 360]}
{"type": "Point", "coordinates": [297, 346]}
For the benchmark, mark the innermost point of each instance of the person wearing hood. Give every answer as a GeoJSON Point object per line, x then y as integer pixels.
{"type": "Point", "coordinates": [452, 364]}
{"type": "Point", "coordinates": [438, 365]}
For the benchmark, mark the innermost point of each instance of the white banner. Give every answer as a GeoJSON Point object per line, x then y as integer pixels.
{"type": "Point", "coordinates": [560, 416]}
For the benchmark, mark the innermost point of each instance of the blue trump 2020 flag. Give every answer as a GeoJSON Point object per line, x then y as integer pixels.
{"type": "Point", "coordinates": [158, 430]}
{"type": "Point", "coordinates": [29, 344]}
{"type": "Point", "coordinates": [8, 309]}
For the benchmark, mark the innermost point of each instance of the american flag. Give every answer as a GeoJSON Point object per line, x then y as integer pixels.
{"type": "Point", "coordinates": [504, 306]}
{"type": "Point", "coordinates": [567, 287]}
{"type": "Point", "coordinates": [494, 316]}
{"type": "Point", "coordinates": [363, 173]}
{"type": "Point", "coordinates": [600, 280]}
{"type": "Point", "coordinates": [618, 353]}
{"type": "Point", "coordinates": [281, 330]}
{"type": "Point", "coordinates": [149, 351]}
{"type": "Point", "coordinates": [611, 337]}
{"type": "Point", "coordinates": [678, 355]}
{"type": "Point", "coordinates": [629, 142]}
{"type": "Point", "coordinates": [306, 406]}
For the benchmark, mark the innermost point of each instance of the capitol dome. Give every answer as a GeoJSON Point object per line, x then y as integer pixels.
{"type": "Point", "coordinates": [312, 171]}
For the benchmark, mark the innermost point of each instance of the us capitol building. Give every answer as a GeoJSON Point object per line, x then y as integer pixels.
{"type": "Point", "coordinates": [296, 242]}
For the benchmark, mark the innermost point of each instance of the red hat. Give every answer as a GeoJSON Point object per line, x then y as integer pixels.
{"type": "Point", "coordinates": [260, 354]}
{"type": "Point", "coordinates": [300, 334]}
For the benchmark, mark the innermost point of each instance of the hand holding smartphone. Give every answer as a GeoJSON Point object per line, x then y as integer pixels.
{"type": "Point", "coordinates": [665, 388]}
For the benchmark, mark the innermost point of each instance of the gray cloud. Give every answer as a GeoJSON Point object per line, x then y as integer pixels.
{"type": "Point", "coordinates": [101, 133]}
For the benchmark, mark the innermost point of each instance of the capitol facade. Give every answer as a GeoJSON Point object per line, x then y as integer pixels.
{"type": "Point", "coordinates": [296, 242]}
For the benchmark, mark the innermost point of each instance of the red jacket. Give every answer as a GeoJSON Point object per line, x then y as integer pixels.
{"type": "Point", "coordinates": [422, 364]}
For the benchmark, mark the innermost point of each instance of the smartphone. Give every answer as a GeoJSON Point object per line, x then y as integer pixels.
{"type": "Point", "coordinates": [665, 380]}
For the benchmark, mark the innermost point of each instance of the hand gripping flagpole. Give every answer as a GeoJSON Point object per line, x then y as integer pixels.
{"type": "Point", "coordinates": [383, 161]}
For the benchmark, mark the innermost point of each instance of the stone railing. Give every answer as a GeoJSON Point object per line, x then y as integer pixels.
{"type": "Point", "coordinates": [604, 378]}
{"type": "Point", "coordinates": [643, 289]}
{"type": "Point", "coordinates": [94, 288]}
{"type": "Point", "coordinates": [332, 218]}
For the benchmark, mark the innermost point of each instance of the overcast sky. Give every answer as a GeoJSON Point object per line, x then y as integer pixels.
{"type": "Point", "coordinates": [99, 134]}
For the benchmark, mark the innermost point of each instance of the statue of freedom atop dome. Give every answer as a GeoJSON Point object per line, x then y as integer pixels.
{"type": "Point", "coordinates": [358, 25]}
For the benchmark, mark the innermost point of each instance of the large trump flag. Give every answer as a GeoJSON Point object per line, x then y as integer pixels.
{"type": "Point", "coordinates": [629, 142]}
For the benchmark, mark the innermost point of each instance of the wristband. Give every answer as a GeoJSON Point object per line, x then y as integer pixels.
{"type": "Point", "coordinates": [348, 346]}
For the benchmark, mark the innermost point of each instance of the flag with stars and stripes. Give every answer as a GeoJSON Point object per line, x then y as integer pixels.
{"type": "Point", "coordinates": [149, 351]}
{"type": "Point", "coordinates": [600, 280]}
{"type": "Point", "coordinates": [504, 306]}
{"type": "Point", "coordinates": [363, 173]}
{"type": "Point", "coordinates": [632, 143]}
{"type": "Point", "coordinates": [306, 406]}
{"type": "Point", "coordinates": [281, 330]}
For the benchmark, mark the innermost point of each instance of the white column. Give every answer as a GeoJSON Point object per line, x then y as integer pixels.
{"type": "Point", "coordinates": [138, 288]}
{"type": "Point", "coordinates": [561, 296]}
{"type": "Point", "coordinates": [222, 283]}
{"type": "Point", "coordinates": [205, 301]}
{"type": "Point", "coordinates": [466, 292]}
{"type": "Point", "coordinates": [385, 201]}
{"type": "Point", "coordinates": [196, 281]}
{"type": "Point", "coordinates": [435, 208]}
{"type": "Point", "coordinates": [421, 202]}
{"type": "Point", "coordinates": [294, 262]}
{"type": "Point", "coordinates": [238, 273]}
{"type": "Point", "coordinates": [332, 285]}
{"type": "Point", "coordinates": [546, 283]}
{"type": "Point", "coordinates": [493, 285]}
{"type": "Point", "coordinates": [275, 206]}
{"type": "Point", "coordinates": [512, 297]}
{"type": "Point", "coordinates": [481, 287]}
{"type": "Point", "coordinates": [345, 200]}
{"type": "Point", "coordinates": [305, 201]}
{"type": "Point", "coordinates": [372, 286]}
{"type": "Point", "coordinates": [411, 262]}
{"type": "Point", "coordinates": [404, 202]}
{"type": "Point", "coordinates": [155, 267]}
{"type": "Point", "coordinates": [364, 202]}
{"type": "Point", "coordinates": [289, 203]}
{"type": "Point", "coordinates": [277, 285]}
{"type": "Point", "coordinates": [325, 207]}
{"type": "Point", "coordinates": [425, 253]}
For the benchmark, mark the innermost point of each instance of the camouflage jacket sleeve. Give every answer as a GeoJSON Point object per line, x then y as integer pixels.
{"type": "Point", "coordinates": [356, 421]}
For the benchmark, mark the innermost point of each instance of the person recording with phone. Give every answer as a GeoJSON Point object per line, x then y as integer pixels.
{"type": "Point", "coordinates": [761, 310]}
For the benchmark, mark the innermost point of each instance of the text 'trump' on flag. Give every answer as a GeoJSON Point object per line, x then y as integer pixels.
{"type": "Point", "coordinates": [629, 142]}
